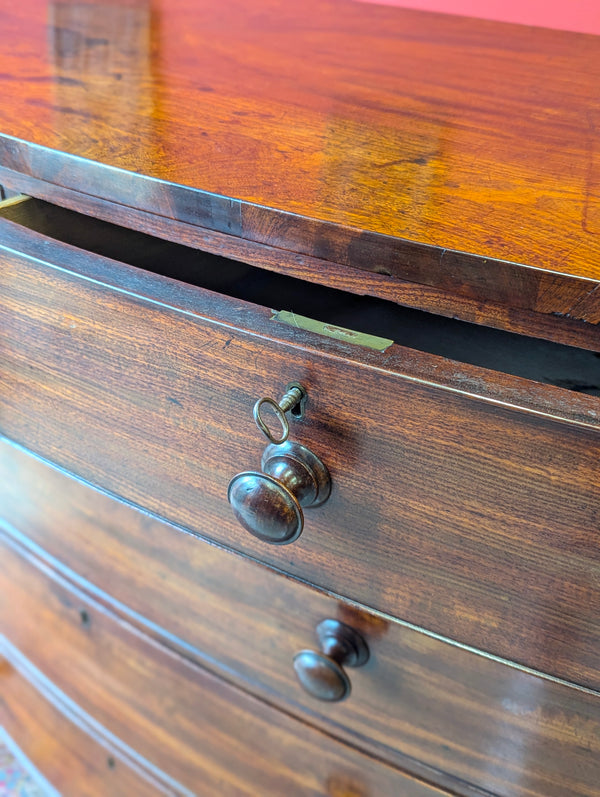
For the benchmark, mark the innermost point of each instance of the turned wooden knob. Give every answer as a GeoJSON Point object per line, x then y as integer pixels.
{"type": "Point", "coordinates": [321, 673]}
{"type": "Point", "coordinates": [270, 504]}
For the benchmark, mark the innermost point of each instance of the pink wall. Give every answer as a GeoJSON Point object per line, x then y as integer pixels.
{"type": "Point", "coordinates": [578, 15]}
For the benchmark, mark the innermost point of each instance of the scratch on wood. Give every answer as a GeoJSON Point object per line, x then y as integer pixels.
{"type": "Point", "coordinates": [574, 312]}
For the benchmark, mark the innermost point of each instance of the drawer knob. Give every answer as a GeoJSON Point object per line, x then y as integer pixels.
{"type": "Point", "coordinates": [270, 504]}
{"type": "Point", "coordinates": [322, 674]}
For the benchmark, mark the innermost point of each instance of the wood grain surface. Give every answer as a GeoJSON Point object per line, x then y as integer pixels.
{"type": "Point", "coordinates": [214, 739]}
{"type": "Point", "coordinates": [75, 760]}
{"type": "Point", "coordinates": [538, 324]}
{"type": "Point", "coordinates": [451, 152]}
{"type": "Point", "coordinates": [465, 516]}
{"type": "Point", "coordinates": [435, 709]}
{"type": "Point", "coordinates": [89, 247]}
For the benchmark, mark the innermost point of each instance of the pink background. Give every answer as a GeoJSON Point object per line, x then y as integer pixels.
{"type": "Point", "coordinates": [576, 15]}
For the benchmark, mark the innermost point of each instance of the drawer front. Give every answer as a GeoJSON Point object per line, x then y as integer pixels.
{"type": "Point", "coordinates": [468, 518]}
{"type": "Point", "coordinates": [210, 737]}
{"type": "Point", "coordinates": [419, 702]}
{"type": "Point", "coordinates": [74, 761]}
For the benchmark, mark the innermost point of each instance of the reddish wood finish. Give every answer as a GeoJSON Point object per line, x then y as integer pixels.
{"type": "Point", "coordinates": [569, 331]}
{"type": "Point", "coordinates": [28, 236]}
{"type": "Point", "coordinates": [270, 503]}
{"type": "Point", "coordinates": [78, 763]}
{"type": "Point", "coordinates": [454, 164]}
{"type": "Point", "coordinates": [453, 502]}
{"type": "Point", "coordinates": [451, 152]}
{"type": "Point", "coordinates": [321, 672]}
{"type": "Point", "coordinates": [213, 738]}
{"type": "Point", "coordinates": [421, 703]}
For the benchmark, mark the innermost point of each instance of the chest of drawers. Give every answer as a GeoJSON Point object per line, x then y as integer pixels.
{"type": "Point", "coordinates": [389, 217]}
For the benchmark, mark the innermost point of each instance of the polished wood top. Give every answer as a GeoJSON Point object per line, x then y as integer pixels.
{"type": "Point", "coordinates": [462, 134]}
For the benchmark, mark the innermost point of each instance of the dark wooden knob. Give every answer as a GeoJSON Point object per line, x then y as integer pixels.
{"type": "Point", "coordinates": [270, 504]}
{"type": "Point", "coordinates": [321, 673]}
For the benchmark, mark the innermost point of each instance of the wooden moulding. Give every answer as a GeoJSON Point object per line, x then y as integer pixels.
{"type": "Point", "coordinates": [66, 746]}
{"type": "Point", "coordinates": [208, 737]}
{"type": "Point", "coordinates": [488, 306]}
{"type": "Point", "coordinates": [458, 486]}
{"type": "Point", "coordinates": [29, 227]}
{"type": "Point", "coordinates": [421, 703]}
{"type": "Point", "coordinates": [453, 153]}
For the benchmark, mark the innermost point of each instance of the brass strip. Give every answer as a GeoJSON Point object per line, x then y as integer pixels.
{"type": "Point", "coordinates": [13, 200]}
{"type": "Point", "coordinates": [331, 330]}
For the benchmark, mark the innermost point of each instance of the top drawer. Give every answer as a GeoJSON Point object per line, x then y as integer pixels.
{"type": "Point", "coordinates": [464, 500]}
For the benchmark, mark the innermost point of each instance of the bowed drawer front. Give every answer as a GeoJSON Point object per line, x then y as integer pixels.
{"type": "Point", "coordinates": [299, 400]}
{"type": "Point", "coordinates": [474, 516]}
{"type": "Point", "coordinates": [454, 529]}
{"type": "Point", "coordinates": [130, 704]}
{"type": "Point", "coordinates": [415, 698]}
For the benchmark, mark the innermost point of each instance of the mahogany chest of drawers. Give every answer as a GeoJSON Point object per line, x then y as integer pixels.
{"type": "Point", "coordinates": [384, 578]}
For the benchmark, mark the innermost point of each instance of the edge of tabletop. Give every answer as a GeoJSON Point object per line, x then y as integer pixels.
{"type": "Point", "coordinates": [471, 278]}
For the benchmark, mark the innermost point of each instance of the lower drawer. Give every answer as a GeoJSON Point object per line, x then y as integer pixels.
{"type": "Point", "coordinates": [464, 500]}
{"type": "Point", "coordinates": [205, 736]}
{"type": "Point", "coordinates": [423, 704]}
{"type": "Point", "coordinates": [76, 761]}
